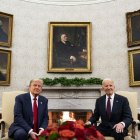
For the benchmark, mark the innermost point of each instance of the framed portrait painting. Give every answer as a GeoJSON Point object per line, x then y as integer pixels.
{"type": "Point", "coordinates": [5, 67]}
{"type": "Point", "coordinates": [6, 24]}
{"type": "Point", "coordinates": [133, 28]}
{"type": "Point", "coordinates": [69, 47]}
{"type": "Point", "coordinates": [134, 67]}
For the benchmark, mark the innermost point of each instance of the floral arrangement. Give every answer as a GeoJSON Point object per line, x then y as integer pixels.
{"type": "Point", "coordinates": [71, 130]}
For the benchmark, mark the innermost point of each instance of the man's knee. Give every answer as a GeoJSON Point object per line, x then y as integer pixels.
{"type": "Point", "coordinates": [20, 134]}
{"type": "Point", "coordinates": [117, 136]}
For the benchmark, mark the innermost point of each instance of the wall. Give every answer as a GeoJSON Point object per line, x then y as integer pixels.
{"type": "Point", "coordinates": [30, 40]}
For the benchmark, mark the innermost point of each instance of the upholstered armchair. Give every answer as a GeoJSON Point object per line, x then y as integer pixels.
{"type": "Point", "coordinates": [8, 101]}
{"type": "Point", "coordinates": [132, 98]}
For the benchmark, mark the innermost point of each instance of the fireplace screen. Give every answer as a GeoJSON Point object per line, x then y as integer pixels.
{"type": "Point", "coordinates": [59, 116]}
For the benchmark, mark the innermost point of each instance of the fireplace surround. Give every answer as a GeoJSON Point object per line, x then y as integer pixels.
{"type": "Point", "coordinates": [72, 99]}
{"type": "Point", "coordinates": [68, 98]}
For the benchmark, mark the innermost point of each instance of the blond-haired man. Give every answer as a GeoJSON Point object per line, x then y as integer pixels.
{"type": "Point", "coordinates": [23, 126]}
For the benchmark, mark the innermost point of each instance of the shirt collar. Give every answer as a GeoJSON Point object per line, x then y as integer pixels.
{"type": "Point", "coordinates": [32, 97]}
{"type": "Point", "coordinates": [112, 96]}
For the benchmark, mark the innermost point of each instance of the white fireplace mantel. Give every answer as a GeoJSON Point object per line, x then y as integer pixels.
{"type": "Point", "coordinates": [73, 97]}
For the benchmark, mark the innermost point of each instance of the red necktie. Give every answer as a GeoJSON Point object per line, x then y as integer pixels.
{"type": "Point", "coordinates": [35, 115]}
{"type": "Point", "coordinates": [108, 108]}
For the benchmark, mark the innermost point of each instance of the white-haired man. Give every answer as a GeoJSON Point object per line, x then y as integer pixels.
{"type": "Point", "coordinates": [66, 54]}
{"type": "Point", "coordinates": [114, 111]}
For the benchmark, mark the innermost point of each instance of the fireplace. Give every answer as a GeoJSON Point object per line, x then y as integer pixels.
{"type": "Point", "coordinates": [59, 116]}
{"type": "Point", "coordinates": [77, 101]}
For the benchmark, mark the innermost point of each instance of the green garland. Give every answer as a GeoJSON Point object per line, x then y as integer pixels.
{"type": "Point", "coordinates": [63, 81]}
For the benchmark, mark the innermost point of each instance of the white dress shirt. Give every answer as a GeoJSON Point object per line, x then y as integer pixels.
{"type": "Point", "coordinates": [111, 100]}
{"type": "Point", "coordinates": [32, 99]}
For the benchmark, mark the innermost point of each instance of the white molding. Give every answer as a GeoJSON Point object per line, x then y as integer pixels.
{"type": "Point", "coordinates": [67, 2]}
{"type": "Point", "coordinates": [95, 87]}
{"type": "Point", "coordinates": [82, 97]}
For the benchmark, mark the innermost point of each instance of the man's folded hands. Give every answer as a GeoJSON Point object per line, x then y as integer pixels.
{"type": "Point", "coordinates": [88, 123]}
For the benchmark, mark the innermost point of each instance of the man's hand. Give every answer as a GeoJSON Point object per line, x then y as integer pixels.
{"type": "Point", "coordinates": [72, 59]}
{"type": "Point", "coordinates": [33, 135]}
{"type": "Point", "coordinates": [40, 131]}
{"type": "Point", "coordinates": [119, 127]}
{"type": "Point", "coordinates": [88, 123]}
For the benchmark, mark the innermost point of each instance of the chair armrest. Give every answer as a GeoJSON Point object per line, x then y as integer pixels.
{"type": "Point", "coordinates": [134, 124]}
{"type": "Point", "coordinates": [2, 126]}
{"type": "Point", "coordinates": [137, 121]}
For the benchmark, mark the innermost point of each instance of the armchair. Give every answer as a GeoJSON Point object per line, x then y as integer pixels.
{"type": "Point", "coordinates": [132, 98]}
{"type": "Point", "coordinates": [8, 101]}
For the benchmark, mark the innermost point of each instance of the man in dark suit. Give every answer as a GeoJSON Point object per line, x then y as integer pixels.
{"type": "Point", "coordinates": [67, 55]}
{"type": "Point", "coordinates": [23, 126]}
{"type": "Point", "coordinates": [116, 122]}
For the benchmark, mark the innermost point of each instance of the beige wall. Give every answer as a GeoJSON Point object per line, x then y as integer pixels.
{"type": "Point", "coordinates": [30, 40]}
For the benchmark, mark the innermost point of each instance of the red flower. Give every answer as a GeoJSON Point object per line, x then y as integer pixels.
{"type": "Point", "coordinates": [79, 133]}
{"type": "Point", "coordinates": [91, 131]}
{"type": "Point", "coordinates": [80, 138]}
{"type": "Point", "coordinates": [92, 137]}
{"type": "Point", "coordinates": [66, 133]}
{"type": "Point", "coordinates": [45, 132]}
{"type": "Point", "coordinates": [67, 125]}
{"type": "Point", "coordinates": [69, 130]}
{"type": "Point", "coordinates": [100, 136]}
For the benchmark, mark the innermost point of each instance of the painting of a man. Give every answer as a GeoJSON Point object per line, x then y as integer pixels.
{"type": "Point", "coordinates": [69, 47]}
{"type": "Point", "coordinates": [3, 34]}
{"type": "Point", "coordinates": [135, 21]}
{"type": "Point", "coordinates": [133, 28]}
{"type": "Point", "coordinates": [6, 24]}
{"type": "Point", "coordinates": [5, 62]}
{"type": "Point", "coordinates": [67, 52]}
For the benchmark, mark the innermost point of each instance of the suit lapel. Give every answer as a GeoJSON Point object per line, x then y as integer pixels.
{"type": "Point", "coordinates": [29, 106]}
{"type": "Point", "coordinates": [40, 108]}
{"type": "Point", "coordinates": [104, 104]}
{"type": "Point", "coordinates": [115, 103]}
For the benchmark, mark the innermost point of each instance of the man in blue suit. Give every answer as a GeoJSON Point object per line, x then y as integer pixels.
{"type": "Point", "coordinates": [120, 117]}
{"type": "Point", "coordinates": [23, 126]}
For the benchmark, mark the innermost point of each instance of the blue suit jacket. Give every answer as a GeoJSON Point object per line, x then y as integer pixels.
{"type": "Point", "coordinates": [23, 114]}
{"type": "Point", "coordinates": [120, 112]}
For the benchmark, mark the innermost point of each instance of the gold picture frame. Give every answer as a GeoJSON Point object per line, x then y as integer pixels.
{"type": "Point", "coordinates": [5, 67]}
{"type": "Point", "coordinates": [134, 67]}
{"type": "Point", "coordinates": [133, 28]}
{"type": "Point", "coordinates": [69, 47]}
{"type": "Point", "coordinates": [6, 25]}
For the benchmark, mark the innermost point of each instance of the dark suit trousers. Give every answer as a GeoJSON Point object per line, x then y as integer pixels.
{"type": "Point", "coordinates": [20, 134]}
{"type": "Point", "coordinates": [108, 131]}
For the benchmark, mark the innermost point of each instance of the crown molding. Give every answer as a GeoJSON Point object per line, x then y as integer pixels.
{"type": "Point", "coordinates": [67, 2]}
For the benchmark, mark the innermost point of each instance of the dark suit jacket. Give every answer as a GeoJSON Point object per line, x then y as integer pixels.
{"type": "Point", "coordinates": [23, 114]}
{"type": "Point", "coordinates": [120, 112]}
